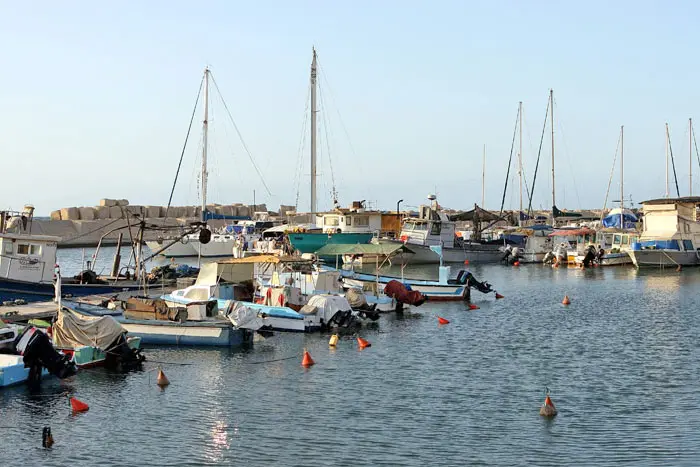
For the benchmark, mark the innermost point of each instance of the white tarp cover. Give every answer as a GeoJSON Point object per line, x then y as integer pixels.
{"type": "Point", "coordinates": [242, 316]}
{"type": "Point", "coordinates": [69, 331]}
{"type": "Point", "coordinates": [356, 297]}
{"type": "Point", "coordinates": [213, 273]}
{"type": "Point", "coordinates": [327, 305]}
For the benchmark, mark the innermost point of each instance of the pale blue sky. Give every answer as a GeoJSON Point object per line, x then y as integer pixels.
{"type": "Point", "coordinates": [95, 97]}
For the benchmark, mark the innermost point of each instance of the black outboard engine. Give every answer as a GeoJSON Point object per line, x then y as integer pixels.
{"type": "Point", "coordinates": [591, 255]}
{"type": "Point", "coordinates": [119, 356]}
{"type": "Point", "coordinates": [38, 353]}
{"type": "Point", "coordinates": [507, 253]}
{"type": "Point", "coordinates": [483, 287]}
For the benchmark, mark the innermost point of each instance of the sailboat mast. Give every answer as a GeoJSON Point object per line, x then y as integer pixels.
{"type": "Point", "coordinates": [520, 161]}
{"type": "Point", "coordinates": [667, 192]}
{"type": "Point", "coordinates": [313, 133]}
{"type": "Point", "coordinates": [551, 123]}
{"type": "Point", "coordinates": [483, 178]}
{"type": "Point", "coordinates": [690, 155]}
{"type": "Point", "coordinates": [622, 177]}
{"type": "Point", "coordinates": [205, 131]}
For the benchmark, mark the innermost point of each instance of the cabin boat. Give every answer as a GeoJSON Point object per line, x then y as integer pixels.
{"type": "Point", "coordinates": [434, 228]}
{"type": "Point", "coordinates": [670, 233]}
{"type": "Point", "coordinates": [532, 243]}
{"type": "Point", "coordinates": [615, 244]}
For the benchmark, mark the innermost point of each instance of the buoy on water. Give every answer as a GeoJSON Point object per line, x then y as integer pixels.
{"type": "Point", "coordinates": [46, 437]}
{"type": "Point", "coordinates": [516, 263]}
{"type": "Point", "coordinates": [162, 380]}
{"type": "Point", "coordinates": [548, 409]}
{"type": "Point", "coordinates": [473, 307]}
{"type": "Point", "coordinates": [363, 343]}
{"type": "Point", "coordinates": [442, 320]}
{"type": "Point", "coordinates": [307, 361]}
{"type": "Point", "coordinates": [78, 406]}
{"type": "Point", "coordinates": [466, 262]}
{"type": "Point", "coordinates": [498, 296]}
{"type": "Point", "coordinates": [333, 342]}
{"type": "Point", "coordinates": [566, 300]}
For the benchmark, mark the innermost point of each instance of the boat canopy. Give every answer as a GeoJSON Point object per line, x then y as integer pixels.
{"type": "Point", "coordinates": [265, 259]}
{"type": "Point", "coordinates": [571, 232]}
{"type": "Point", "coordinates": [70, 331]}
{"type": "Point", "coordinates": [612, 220]}
{"type": "Point", "coordinates": [385, 249]}
{"type": "Point", "coordinates": [477, 213]}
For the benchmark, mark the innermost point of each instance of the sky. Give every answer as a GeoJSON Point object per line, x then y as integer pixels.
{"type": "Point", "coordinates": [96, 98]}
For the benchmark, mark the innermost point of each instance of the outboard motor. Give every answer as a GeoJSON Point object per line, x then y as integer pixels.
{"type": "Point", "coordinates": [549, 258]}
{"type": "Point", "coordinates": [122, 357]}
{"type": "Point", "coordinates": [590, 256]}
{"type": "Point", "coordinates": [38, 353]}
{"type": "Point", "coordinates": [483, 287]}
{"type": "Point", "coordinates": [507, 254]}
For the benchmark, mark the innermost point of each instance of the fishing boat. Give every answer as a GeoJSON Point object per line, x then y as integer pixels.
{"type": "Point", "coordinates": [434, 228]}
{"type": "Point", "coordinates": [528, 244]}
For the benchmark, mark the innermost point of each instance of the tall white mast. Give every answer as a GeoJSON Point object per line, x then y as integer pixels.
{"type": "Point", "coordinates": [690, 153]}
{"type": "Point", "coordinates": [520, 161]}
{"type": "Point", "coordinates": [622, 176]}
{"type": "Point", "coordinates": [483, 178]}
{"type": "Point", "coordinates": [667, 192]}
{"type": "Point", "coordinates": [551, 116]}
{"type": "Point", "coordinates": [313, 133]}
{"type": "Point", "coordinates": [205, 131]}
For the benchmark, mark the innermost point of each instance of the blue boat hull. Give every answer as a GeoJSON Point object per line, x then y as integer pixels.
{"type": "Point", "coordinates": [312, 242]}
{"type": "Point", "coordinates": [35, 292]}
{"type": "Point", "coordinates": [187, 334]}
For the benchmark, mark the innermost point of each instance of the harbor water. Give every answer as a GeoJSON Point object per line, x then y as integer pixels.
{"type": "Point", "coordinates": [621, 361]}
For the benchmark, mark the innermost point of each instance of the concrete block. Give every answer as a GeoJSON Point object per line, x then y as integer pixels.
{"type": "Point", "coordinates": [122, 202]}
{"type": "Point", "coordinates": [258, 208]}
{"type": "Point", "coordinates": [55, 215]}
{"type": "Point", "coordinates": [70, 214]}
{"type": "Point", "coordinates": [285, 208]}
{"type": "Point", "coordinates": [134, 210]}
{"type": "Point", "coordinates": [152, 212]}
{"type": "Point", "coordinates": [193, 211]}
{"type": "Point", "coordinates": [244, 211]}
{"type": "Point", "coordinates": [87, 214]}
{"type": "Point", "coordinates": [115, 212]}
{"type": "Point", "coordinates": [106, 202]}
{"type": "Point", "coordinates": [102, 212]}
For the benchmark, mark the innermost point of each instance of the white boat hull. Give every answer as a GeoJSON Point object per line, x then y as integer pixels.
{"type": "Point", "coordinates": [175, 250]}
{"type": "Point", "coordinates": [474, 253]}
{"type": "Point", "coordinates": [663, 258]}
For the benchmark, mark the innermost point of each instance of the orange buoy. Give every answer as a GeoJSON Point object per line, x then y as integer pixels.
{"type": "Point", "coordinates": [548, 409]}
{"type": "Point", "coordinates": [162, 380]}
{"type": "Point", "coordinates": [307, 361]}
{"type": "Point", "coordinates": [442, 320]}
{"type": "Point", "coordinates": [363, 343]}
{"type": "Point", "coordinates": [333, 342]}
{"type": "Point", "coordinates": [473, 307]}
{"type": "Point", "coordinates": [499, 296]}
{"type": "Point", "coordinates": [516, 263]}
{"type": "Point", "coordinates": [466, 262]}
{"type": "Point", "coordinates": [566, 300]}
{"type": "Point", "coordinates": [78, 406]}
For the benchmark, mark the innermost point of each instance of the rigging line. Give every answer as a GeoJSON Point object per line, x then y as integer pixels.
{"type": "Point", "coordinates": [695, 142]}
{"type": "Point", "coordinates": [337, 110]}
{"type": "Point", "coordinates": [568, 160]}
{"type": "Point", "coordinates": [302, 143]}
{"type": "Point", "coordinates": [326, 125]}
{"type": "Point", "coordinates": [250, 156]}
{"type": "Point", "coordinates": [673, 163]}
{"type": "Point", "coordinates": [184, 146]}
{"type": "Point", "coordinates": [612, 172]}
{"type": "Point", "coordinates": [537, 164]}
{"type": "Point", "coordinates": [510, 161]}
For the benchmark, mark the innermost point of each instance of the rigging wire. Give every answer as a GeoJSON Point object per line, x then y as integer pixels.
{"type": "Point", "coordinates": [568, 160]}
{"type": "Point", "coordinates": [510, 162]}
{"type": "Point", "coordinates": [612, 172]}
{"type": "Point", "coordinates": [337, 109]}
{"type": "Point", "coordinates": [250, 156]}
{"type": "Point", "coordinates": [673, 163]}
{"type": "Point", "coordinates": [184, 146]}
{"type": "Point", "coordinates": [537, 164]}
{"type": "Point", "coordinates": [695, 142]}
{"type": "Point", "coordinates": [302, 144]}
{"type": "Point", "coordinates": [326, 126]}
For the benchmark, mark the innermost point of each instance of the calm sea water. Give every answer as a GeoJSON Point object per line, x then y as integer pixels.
{"type": "Point", "coordinates": [622, 362]}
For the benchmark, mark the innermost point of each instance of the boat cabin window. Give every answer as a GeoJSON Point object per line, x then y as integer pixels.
{"type": "Point", "coordinates": [333, 221]}
{"type": "Point", "coordinates": [27, 249]}
{"type": "Point", "coordinates": [687, 245]}
{"type": "Point", "coordinates": [617, 240]}
{"type": "Point", "coordinates": [409, 226]}
{"type": "Point", "coordinates": [348, 220]}
{"type": "Point", "coordinates": [8, 248]}
{"type": "Point", "coordinates": [435, 228]}
{"type": "Point", "coordinates": [625, 240]}
{"type": "Point", "coordinates": [362, 221]}
{"type": "Point", "coordinates": [608, 239]}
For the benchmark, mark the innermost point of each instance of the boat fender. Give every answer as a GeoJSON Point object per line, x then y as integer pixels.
{"type": "Point", "coordinates": [204, 236]}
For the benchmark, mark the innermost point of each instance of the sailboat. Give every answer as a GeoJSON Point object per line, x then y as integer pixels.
{"type": "Point", "coordinates": [219, 243]}
{"type": "Point", "coordinates": [334, 228]}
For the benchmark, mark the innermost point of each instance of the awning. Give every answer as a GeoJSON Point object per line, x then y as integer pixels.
{"type": "Point", "coordinates": [566, 233]}
{"type": "Point", "coordinates": [384, 249]}
{"type": "Point", "coordinates": [479, 213]}
{"type": "Point", "coordinates": [264, 259]}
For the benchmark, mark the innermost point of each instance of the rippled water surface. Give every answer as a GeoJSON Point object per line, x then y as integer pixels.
{"type": "Point", "coordinates": [621, 362]}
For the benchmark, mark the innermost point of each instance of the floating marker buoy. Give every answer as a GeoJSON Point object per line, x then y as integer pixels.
{"type": "Point", "coordinates": [499, 296]}
{"type": "Point", "coordinates": [162, 380]}
{"type": "Point", "coordinates": [548, 409]}
{"type": "Point", "coordinates": [363, 343]}
{"type": "Point", "coordinates": [442, 320]}
{"type": "Point", "coordinates": [566, 300]}
{"type": "Point", "coordinates": [46, 438]}
{"type": "Point", "coordinates": [466, 262]}
{"type": "Point", "coordinates": [307, 361]}
{"type": "Point", "coordinates": [78, 406]}
{"type": "Point", "coordinates": [516, 263]}
{"type": "Point", "coordinates": [473, 307]}
{"type": "Point", "coordinates": [334, 341]}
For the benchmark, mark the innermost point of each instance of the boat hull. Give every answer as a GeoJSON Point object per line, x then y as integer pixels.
{"type": "Point", "coordinates": [13, 371]}
{"type": "Point", "coordinates": [312, 242]}
{"type": "Point", "coordinates": [663, 258]}
{"type": "Point", "coordinates": [33, 292]}
{"type": "Point", "coordinates": [432, 290]}
{"type": "Point", "coordinates": [471, 252]}
{"type": "Point", "coordinates": [89, 357]}
{"type": "Point", "coordinates": [176, 250]}
{"type": "Point", "coordinates": [187, 334]}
